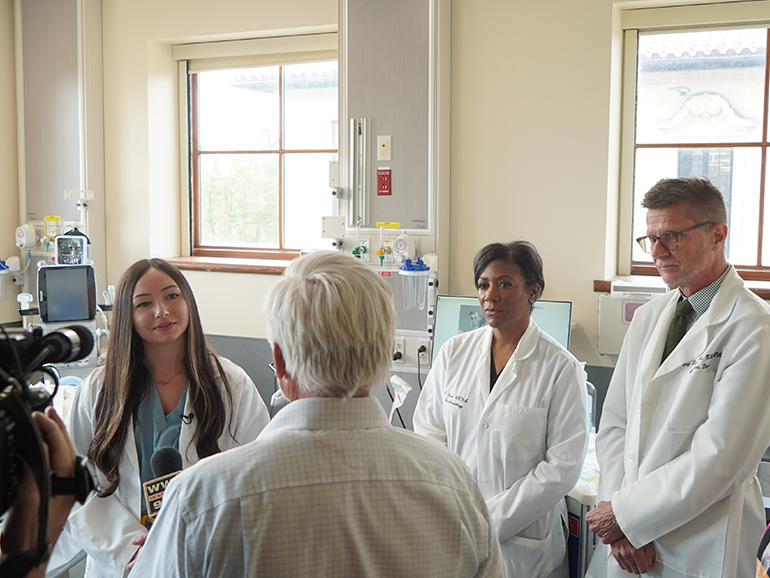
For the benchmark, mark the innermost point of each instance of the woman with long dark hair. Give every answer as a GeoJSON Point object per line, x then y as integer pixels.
{"type": "Point", "coordinates": [161, 385]}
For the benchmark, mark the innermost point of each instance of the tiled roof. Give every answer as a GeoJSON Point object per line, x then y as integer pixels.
{"type": "Point", "coordinates": [700, 44]}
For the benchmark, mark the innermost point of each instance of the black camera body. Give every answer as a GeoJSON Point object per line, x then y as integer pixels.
{"type": "Point", "coordinates": [23, 353]}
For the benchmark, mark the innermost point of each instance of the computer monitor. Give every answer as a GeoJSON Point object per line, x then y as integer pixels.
{"type": "Point", "coordinates": [66, 293]}
{"type": "Point", "coordinates": [457, 314]}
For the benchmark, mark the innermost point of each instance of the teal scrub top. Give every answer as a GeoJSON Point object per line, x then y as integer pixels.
{"type": "Point", "coordinates": [153, 429]}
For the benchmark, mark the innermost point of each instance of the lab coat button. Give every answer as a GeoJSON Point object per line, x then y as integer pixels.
{"type": "Point", "coordinates": [631, 457]}
{"type": "Point", "coordinates": [485, 425]}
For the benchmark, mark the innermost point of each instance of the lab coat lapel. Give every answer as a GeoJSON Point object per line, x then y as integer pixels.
{"type": "Point", "coordinates": [129, 470]}
{"type": "Point", "coordinates": [692, 345]}
{"type": "Point", "coordinates": [507, 377]}
{"type": "Point", "coordinates": [653, 350]}
{"type": "Point", "coordinates": [696, 340]}
{"type": "Point", "coordinates": [484, 358]}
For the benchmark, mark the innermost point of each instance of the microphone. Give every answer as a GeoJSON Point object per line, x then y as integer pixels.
{"type": "Point", "coordinates": [166, 463]}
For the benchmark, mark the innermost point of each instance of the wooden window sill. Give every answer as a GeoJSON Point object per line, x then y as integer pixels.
{"type": "Point", "coordinates": [230, 265]}
{"type": "Point", "coordinates": [761, 288]}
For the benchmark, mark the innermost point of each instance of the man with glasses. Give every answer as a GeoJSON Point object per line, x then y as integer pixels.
{"type": "Point", "coordinates": [687, 414]}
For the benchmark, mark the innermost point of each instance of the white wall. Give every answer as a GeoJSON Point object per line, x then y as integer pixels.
{"type": "Point", "coordinates": [534, 108]}
{"type": "Point", "coordinates": [531, 133]}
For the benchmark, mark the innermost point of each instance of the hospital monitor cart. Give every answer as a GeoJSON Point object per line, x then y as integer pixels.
{"type": "Point", "coordinates": [66, 296]}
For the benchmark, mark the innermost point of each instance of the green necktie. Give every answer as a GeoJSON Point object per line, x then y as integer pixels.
{"type": "Point", "coordinates": [678, 327]}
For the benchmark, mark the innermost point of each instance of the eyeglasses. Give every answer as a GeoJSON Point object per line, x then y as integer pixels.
{"type": "Point", "coordinates": [669, 241]}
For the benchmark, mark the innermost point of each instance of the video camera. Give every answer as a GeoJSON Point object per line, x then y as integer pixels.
{"type": "Point", "coordinates": [22, 354]}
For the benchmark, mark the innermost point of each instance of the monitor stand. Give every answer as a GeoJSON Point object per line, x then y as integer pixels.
{"type": "Point", "coordinates": [81, 367]}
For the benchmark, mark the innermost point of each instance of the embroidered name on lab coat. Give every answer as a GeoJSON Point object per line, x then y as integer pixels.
{"type": "Point", "coordinates": [456, 400]}
{"type": "Point", "coordinates": [705, 361]}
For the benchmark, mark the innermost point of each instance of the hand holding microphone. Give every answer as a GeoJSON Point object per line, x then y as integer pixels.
{"type": "Point", "coordinates": [166, 463]}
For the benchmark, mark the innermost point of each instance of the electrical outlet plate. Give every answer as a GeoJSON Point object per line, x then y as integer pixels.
{"type": "Point", "coordinates": [423, 356]}
{"type": "Point", "coordinates": [400, 345]}
{"type": "Point", "coordinates": [383, 147]}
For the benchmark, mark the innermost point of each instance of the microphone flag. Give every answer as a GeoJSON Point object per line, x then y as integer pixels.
{"type": "Point", "coordinates": [153, 493]}
{"type": "Point", "coordinates": [166, 462]}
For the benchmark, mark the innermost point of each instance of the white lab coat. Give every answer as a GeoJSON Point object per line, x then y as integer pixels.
{"type": "Point", "coordinates": [105, 527]}
{"type": "Point", "coordinates": [524, 441]}
{"type": "Point", "coordinates": [679, 444]}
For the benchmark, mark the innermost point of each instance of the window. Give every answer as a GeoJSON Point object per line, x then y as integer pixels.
{"type": "Point", "coordinates": [261, 142]}
{"type": "Point", "coordinates": [262, 127]}
{"type": "Point", "coordinates": [699, 107]}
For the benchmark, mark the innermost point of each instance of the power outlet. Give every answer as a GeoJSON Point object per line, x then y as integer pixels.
{"type": "Point", "coordinates": [423, 356]}
{"type": "Point", "coordinates": [399, 347]}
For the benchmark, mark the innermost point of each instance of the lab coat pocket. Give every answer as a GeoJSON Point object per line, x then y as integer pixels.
{"type": "Point", "coordinates": [518, 432]}
{"type": "Point", "coordinates": [532, 557]}
{"type": "Point", "coordinates": [691, 403]}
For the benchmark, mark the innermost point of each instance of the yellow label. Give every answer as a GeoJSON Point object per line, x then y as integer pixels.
{"type": "Point", "coordinates": [52, 218]}
{"type": "Point", "coordinates": [387, 225]}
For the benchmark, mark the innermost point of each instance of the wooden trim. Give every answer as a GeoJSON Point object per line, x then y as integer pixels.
{"type": "Point", "coordinates": [281, 129]}
{"type": "Point", "coordinates": [760, 288]}
{"type": "Point", "coordinates": [763, 167]}
{"type": "Point", "coordinates": [702, 145]}
{"type": "Point", "coordinates": [231, 253]}
{"type": "Point", "coordinates": [195, 163]}
{"type": "Point", "coordinates": [746, 272]}
{"type": "Point", "coordinates": [222, 265]}
{"type": "Point", "coordinates": [602, 285]}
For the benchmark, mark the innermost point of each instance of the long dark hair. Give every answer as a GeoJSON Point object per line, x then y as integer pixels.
{"type": "Point", "coordinates": [126, 378]}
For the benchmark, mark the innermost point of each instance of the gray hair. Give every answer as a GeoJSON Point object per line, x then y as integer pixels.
{"type": "Point", "coordinates": [334, 321]}
{"type": "Point", "coordinates": [704, 200]}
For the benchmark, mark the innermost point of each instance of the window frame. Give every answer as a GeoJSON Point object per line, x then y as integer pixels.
{"type": "Point", "coordinates": [669, 19]}
{"type": "Point", "coordinates": [305, 45]}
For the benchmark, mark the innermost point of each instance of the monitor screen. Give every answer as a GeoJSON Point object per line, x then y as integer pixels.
{"type": "Point", "coordinates": [66, 293]}
{"type": "Point", "coordinates": [455, 314]}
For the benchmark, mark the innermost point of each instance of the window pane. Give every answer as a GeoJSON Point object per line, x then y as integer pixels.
{"type": "Point", "coordinates": [239, 200]}
{"type": "Point", "coordinates": [307, 198]}
{"type": "Point", "coordinates": [736, 171]}
{"type": "Point", "coordinates": [311, 105]}
{"type": "Point", "coordinates": [238, 109]}
{"type": "Point", "coordinates": [705, 86]}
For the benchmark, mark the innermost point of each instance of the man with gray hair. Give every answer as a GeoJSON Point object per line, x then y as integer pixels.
{"type": "Point", "coordinates": [329, 488]}
{"type": "Point", "coordinates": [687, 414]}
